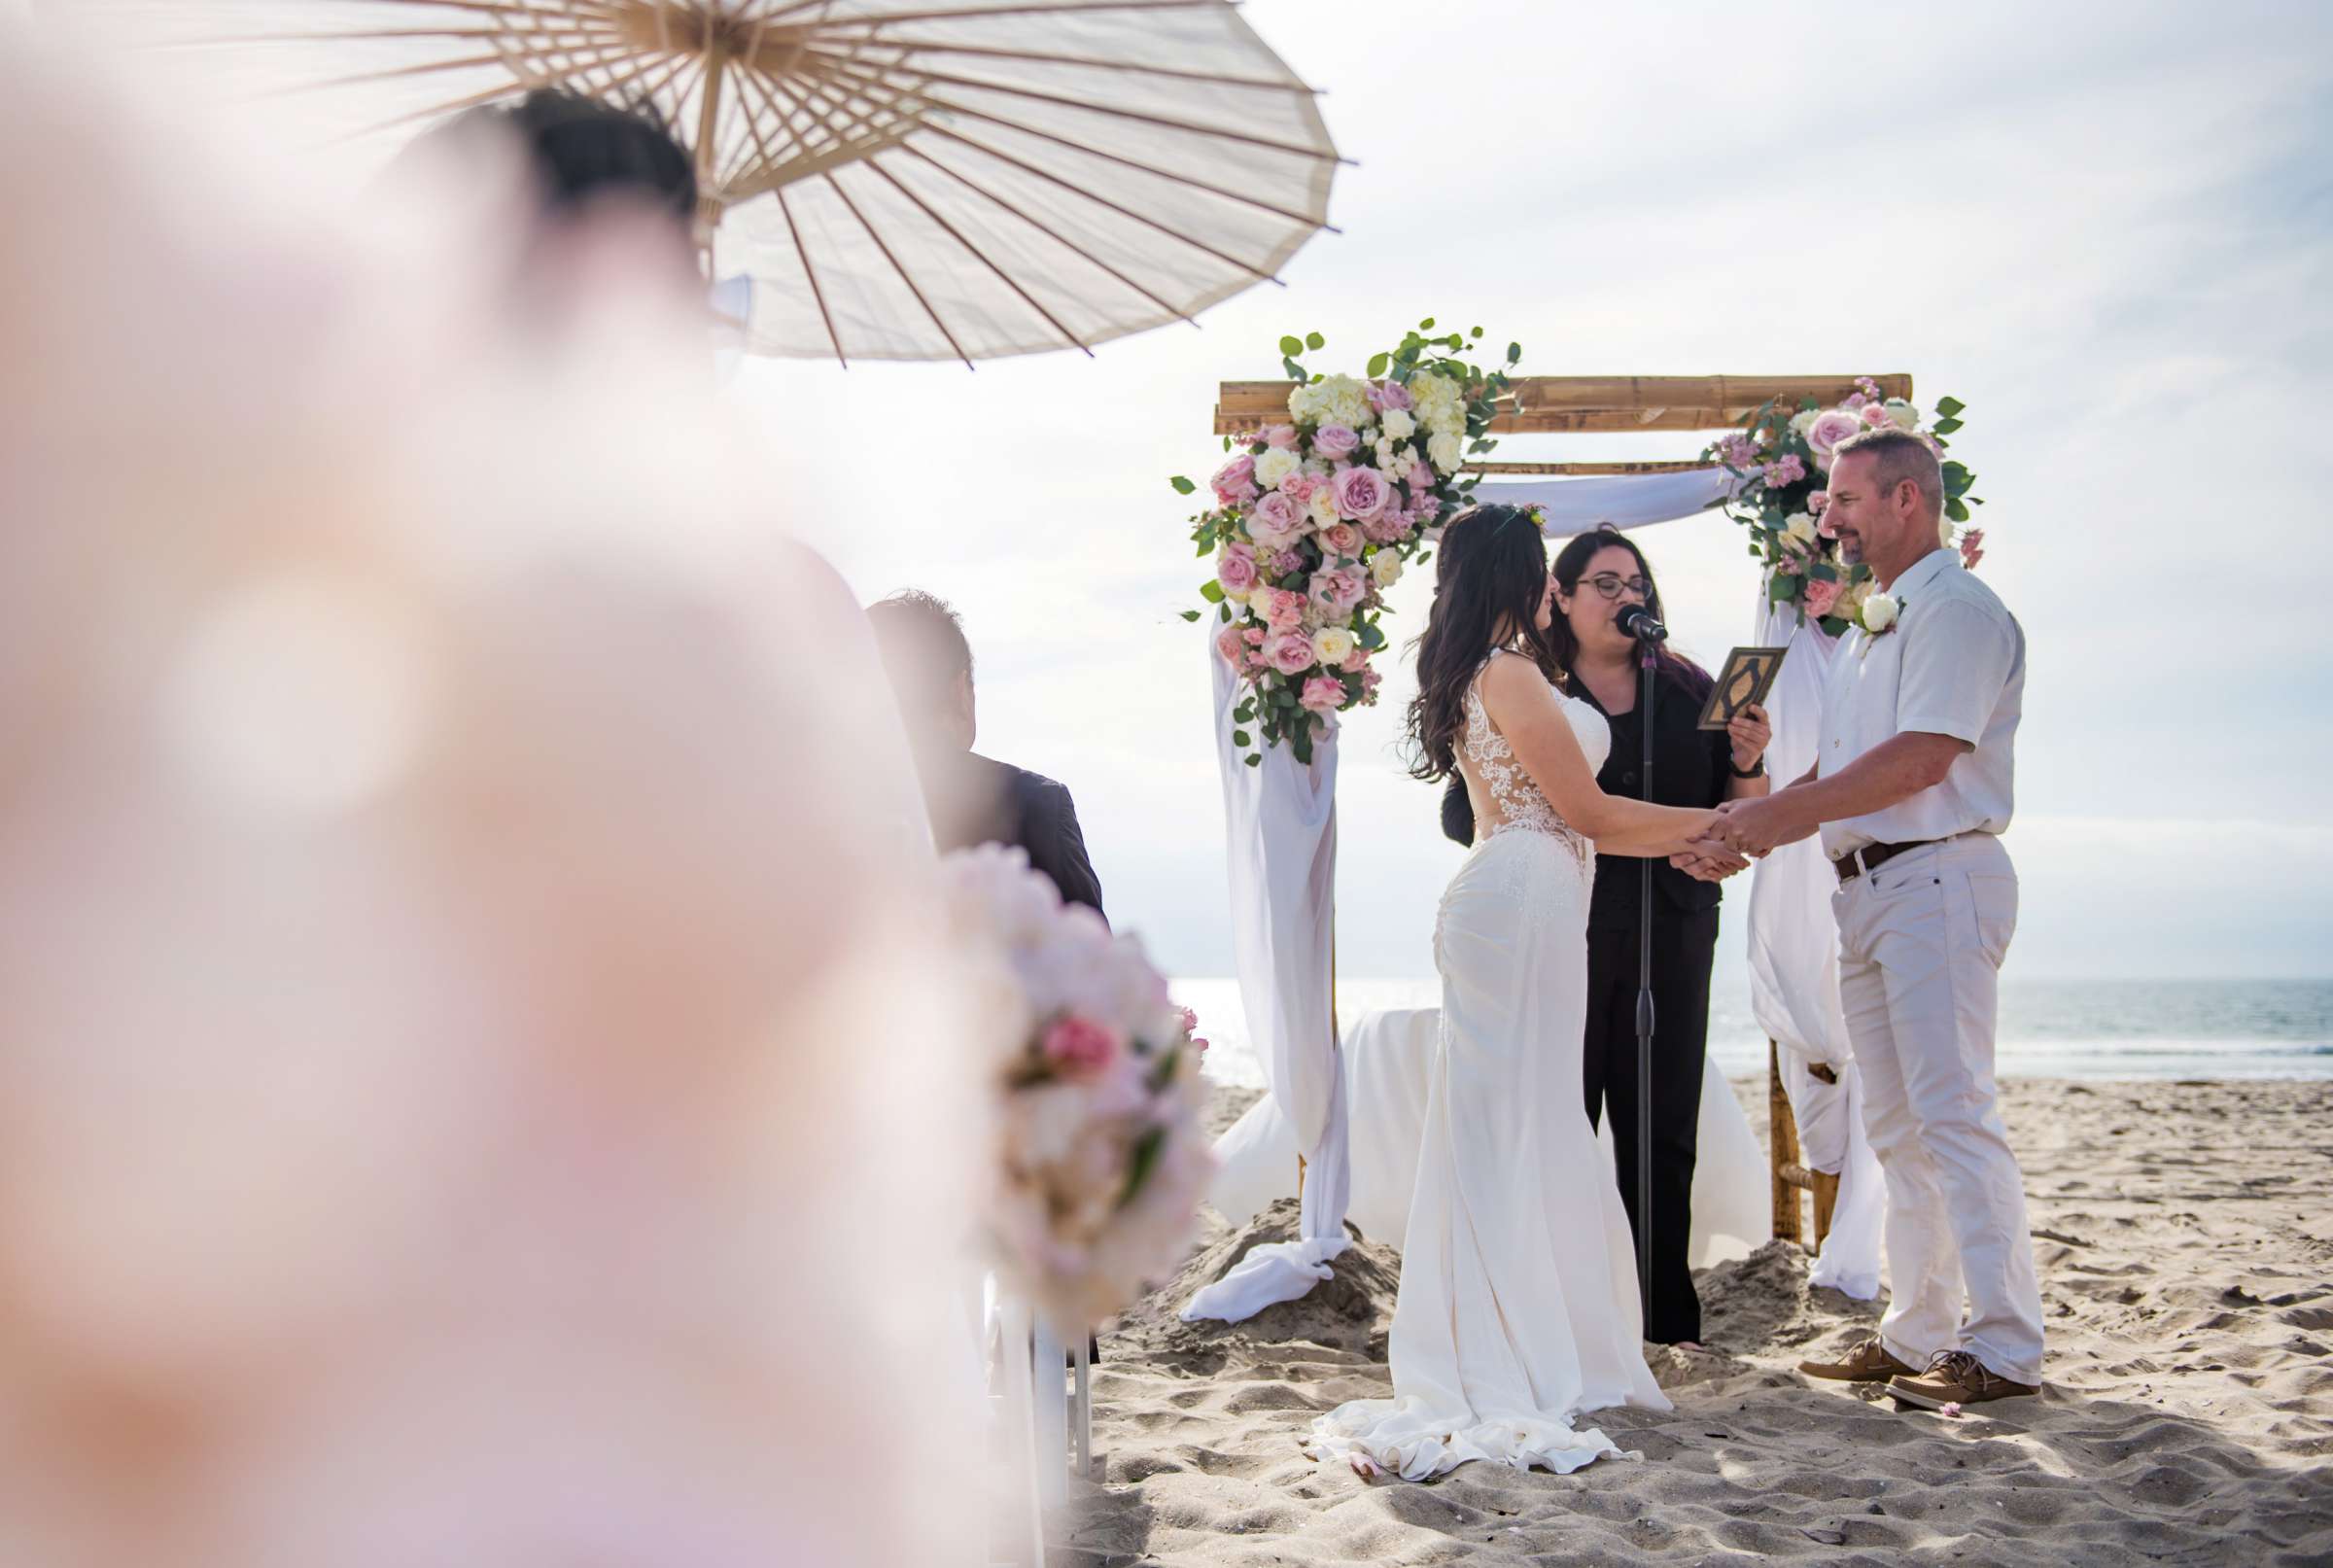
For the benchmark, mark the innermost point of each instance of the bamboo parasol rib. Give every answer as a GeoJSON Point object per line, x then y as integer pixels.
{"type": "Point", "coordinates": [904, 179]}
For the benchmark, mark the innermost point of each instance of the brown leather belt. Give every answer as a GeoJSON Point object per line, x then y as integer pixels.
{"type": "Point", "coordinates": [1875, 855]}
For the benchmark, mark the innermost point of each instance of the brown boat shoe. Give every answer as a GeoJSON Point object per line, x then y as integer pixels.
{"type": "Point", "coordinates": [1955, 1378]}
{"type": "Point", "coordinates": [1867, 1363]}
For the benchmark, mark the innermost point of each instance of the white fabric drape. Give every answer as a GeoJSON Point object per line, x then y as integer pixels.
{"type": "Point", "coordinates": [1623, 499]}
{"type": "Point", "coordinates": [1794, 973]}
{"type": "Point", "coordinates": [1389, 1058]}
{"type": "Point", "coordinates": [1280, 834]}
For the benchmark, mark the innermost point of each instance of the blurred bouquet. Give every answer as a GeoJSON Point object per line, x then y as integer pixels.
{"type": "Point", "coordinates": [1101, 1157]}
{"type": "Point", "coordinates": [1783, 459]}
{"type": "Point", "coordinates": [1315, 519]}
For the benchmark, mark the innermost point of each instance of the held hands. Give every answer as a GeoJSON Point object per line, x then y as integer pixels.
{"type": "Point", "coordinates": [1756, 825]}
{"type": "Point", "coordinates": [1749, 730]}
{"type": "Point", "coordinates": [1708, 860]}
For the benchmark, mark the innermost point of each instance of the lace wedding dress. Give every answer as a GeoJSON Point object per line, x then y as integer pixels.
{"type": "Point", "coordinates": [1518, 1303]}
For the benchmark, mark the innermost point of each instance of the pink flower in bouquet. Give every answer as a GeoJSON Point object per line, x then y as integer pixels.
{"type": "Point", "coordinates": [1785, 469]}
{"type": "Point", "coordinates": [1275, 522]}
{"type": "Point", "coordinates": [1361, 493]}
{"type": "Point", "coordinates": [1077, 1043]}
{"type": "Point", "coordinates": [1339, 589]}
{"type": "Point", "coordinates": [1282, 436]}
{"type": "Point", "coordinates": [1230, 644]}
{"type": "Point", "coordinates": [1335, 442]}
{"type": "Point", "coordinates": [1874, 415]}
{"type": "Point", "coordinates": [1817, 500]}
{"type": "Point", "coordinates": [1285, 612]}
{"type": "Point", "coordinates": [1343, 540]}
{"type": "Point", "coordinates": [1370, 681]}
{"type": "Point", "coordinates": [1821, 596]}
{"type": "Point", "coordinates": [1856, 400]}
{"type": "Point", "coordinates": [1384, 528]}
{"type": "Point", "coordinates": [1284, 562]}
{"type": "Point", "coordinates": [1384, 395]}
{"type": "Point", "coordinates": [1323, 694]}
{"type": "Point", "coordinates": [1235, 481]}
{"type": "Point", "coordinates": [1738, 452]}
{"type": "Point", "coordinates": [1236, 570]}
{"type": "Point", "coordinates": [1355, 662]}
{"type": "Point", "coordinates": [1831, 427]}
{"type": "Point", "coordinates": [1253, 636]}
{"type": "Point", "coordinates": [1298, 485]}
{"type": "Point", "coordinates": [1190, 1026]}
{"type": "Point", "coordinates": [1290, 653]}
{"type": "Point", "coordinates": [1972, 548]}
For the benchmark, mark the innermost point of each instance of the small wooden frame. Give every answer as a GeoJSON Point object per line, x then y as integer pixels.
{"type": "Point", "coordinates": [1790, 1176]}
{"type": "Point", "coordinates": [1610, 403]}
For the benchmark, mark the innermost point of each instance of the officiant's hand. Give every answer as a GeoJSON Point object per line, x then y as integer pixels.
{"type": "Point", "coordinates": [1751, 731]}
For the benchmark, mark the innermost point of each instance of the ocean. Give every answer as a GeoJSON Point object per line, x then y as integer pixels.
{"type": "Point", "coordinates": [2049, 1028]}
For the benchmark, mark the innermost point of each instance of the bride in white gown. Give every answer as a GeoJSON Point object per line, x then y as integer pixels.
{"type": "Point", "coordinates": [1518, 1305]}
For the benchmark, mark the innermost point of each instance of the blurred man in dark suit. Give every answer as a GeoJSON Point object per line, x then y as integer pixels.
{"type": "Point", "coordinates": [972, 799]}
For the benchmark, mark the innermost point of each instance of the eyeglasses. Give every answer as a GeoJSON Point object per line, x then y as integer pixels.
{"type": "Point", "coordinates": [1609, 585]}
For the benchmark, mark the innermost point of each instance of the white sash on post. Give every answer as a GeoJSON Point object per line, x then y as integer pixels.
{"type": "Point", "coordinates": [1281, 832]}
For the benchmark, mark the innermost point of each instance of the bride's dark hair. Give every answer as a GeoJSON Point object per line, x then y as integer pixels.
{"type": "Point", "coordinates": [1488, 588]}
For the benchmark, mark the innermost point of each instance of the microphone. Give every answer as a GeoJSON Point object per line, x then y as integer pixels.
{"type": "Point", "coordinates": [1638, 622]}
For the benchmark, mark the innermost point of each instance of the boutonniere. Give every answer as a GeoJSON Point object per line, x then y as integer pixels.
{"type": "Point", "coordinates": [1877, 617]}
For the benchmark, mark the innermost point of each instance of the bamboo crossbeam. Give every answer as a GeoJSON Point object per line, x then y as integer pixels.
{"type": "Point", "coordinates": [1603, 404]}
{"type": "Point", "coordinates": [1682, 466]}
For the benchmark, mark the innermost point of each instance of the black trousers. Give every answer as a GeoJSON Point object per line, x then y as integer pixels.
{"type": "Point", "coordinates": [1683, 945]}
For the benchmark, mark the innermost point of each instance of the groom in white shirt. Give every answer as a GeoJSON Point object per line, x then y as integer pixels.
{"type": "Point", "coordinates": [1912, 790]}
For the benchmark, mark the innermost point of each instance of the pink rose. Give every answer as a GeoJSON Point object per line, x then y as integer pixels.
{"type": "Point", "coordinates": [1275, 522]}
{"type": "Point", "coordinates": [1286, 611]}
{"type": "Point", "coordinates": [1821, 596]}
{"type": "Point", "coordinates": [1875, 414]}
{"type": "Point", "coordinates": [1856, 400]}
{"type": "Point", "coordinates": [1078, 1043]}
{"type": "Point", "coordinates": [1355, 662]}
{"type": "Point", "coordinates": [1282, 436]}
{"type": "Point", "coordinates": [1230, 644]}
{"type": "Point", "coordinates": [1235, 481]}
{"type": "Point", "coordinates": [1831, 427]}
{"type": "Point", "coordinates": [1817, 500]}
{"type": "Point", "coordinates": [1340, 589]}
{"type": "Point", "coordinates": [1384, 395]}
{"type": "Point", "coordinates": [1235, 569]}
{"type": "Point", "coordinates": [1298, 485]}
{"type": "Point", "coordinates": [1335, 442]}
{"type": "Point", "coordinates": [1361, 493]}
{"type": "Point", "coordinates": [1252, 636]}
{"type": "Point", "coordinates": [1322, 694]}
{"type": "Point", "coordinates": [1290, 653]}
{"type": "Point", "coordinates": [1343, 540]}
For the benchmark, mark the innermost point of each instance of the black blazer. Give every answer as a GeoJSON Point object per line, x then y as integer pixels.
{"type": "Point", "coordinates": [1690, 767]}
{"type": "Point", "coordinates": [975, 800]}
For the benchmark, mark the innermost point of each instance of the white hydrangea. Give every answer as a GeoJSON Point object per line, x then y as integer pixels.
{"type": "Point", "coordinates": [1804, 421]}
{"type": "Point", "coordinates": [1398, 425]}
{"type": "Point", "coordinates": [1335, 400]}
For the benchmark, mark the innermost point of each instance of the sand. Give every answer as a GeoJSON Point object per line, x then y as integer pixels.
{"type": "Point", "coordinates": [2185, 1240]}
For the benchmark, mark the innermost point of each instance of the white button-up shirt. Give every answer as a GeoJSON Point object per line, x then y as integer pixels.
{"type": "Point", "coordinates": [1952, 664]}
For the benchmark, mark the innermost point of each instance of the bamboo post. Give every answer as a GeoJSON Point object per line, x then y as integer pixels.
{"type": "Point", "coordinates": [1783, 1144]}
{"type": "Point", "coordinates": [1591, 403]}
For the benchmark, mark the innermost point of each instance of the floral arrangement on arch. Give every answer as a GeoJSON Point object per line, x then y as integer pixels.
{"type": "Point", "coordinates": [1315, 519]}
{"type": "Point", "coordinates": [1783, 458]}
{"type": "Point", "coordinates": [1102, 1154]}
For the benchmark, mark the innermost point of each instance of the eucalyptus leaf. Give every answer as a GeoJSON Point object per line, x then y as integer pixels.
{"type": "Point", "coordinates": [1211, 591]}
{"type": "Point", "coordinates": [1377, 364]}
{"type": "Point", "coordinates": [1291, 346]}
{"type": "Point", "coordinates": [1313, 340]}
{"type": "Point", "coordinates": [1190, 614]}
{"type": "Point", "coordinates": [1182, 486]}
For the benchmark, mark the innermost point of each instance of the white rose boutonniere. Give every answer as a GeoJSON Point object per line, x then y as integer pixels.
{"type": "Point", "coordinates": [1879, 612]}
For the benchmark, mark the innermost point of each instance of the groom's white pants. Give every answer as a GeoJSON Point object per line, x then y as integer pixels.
{"type": "Point", "coordinates": [1921, 941]}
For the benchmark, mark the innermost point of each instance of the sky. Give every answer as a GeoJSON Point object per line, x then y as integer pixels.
{"type": "Point", "coordinates": [2106, 229]}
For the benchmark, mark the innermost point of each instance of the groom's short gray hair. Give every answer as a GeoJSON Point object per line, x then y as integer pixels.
{"type": "Point", "coordinates": [1898, 455]}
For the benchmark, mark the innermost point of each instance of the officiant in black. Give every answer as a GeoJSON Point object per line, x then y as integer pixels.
{"type": "Point", "coordinates": [972, 799]}
{"type": "Point", "coordinates": [1596, 575]}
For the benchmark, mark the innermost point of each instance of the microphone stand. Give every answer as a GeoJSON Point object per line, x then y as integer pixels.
{"type": "Point", "coordinates": [1648, 658]}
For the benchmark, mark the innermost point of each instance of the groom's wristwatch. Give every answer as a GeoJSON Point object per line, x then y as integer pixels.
{"type": "Point", "coordinates": [1756, 770]}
